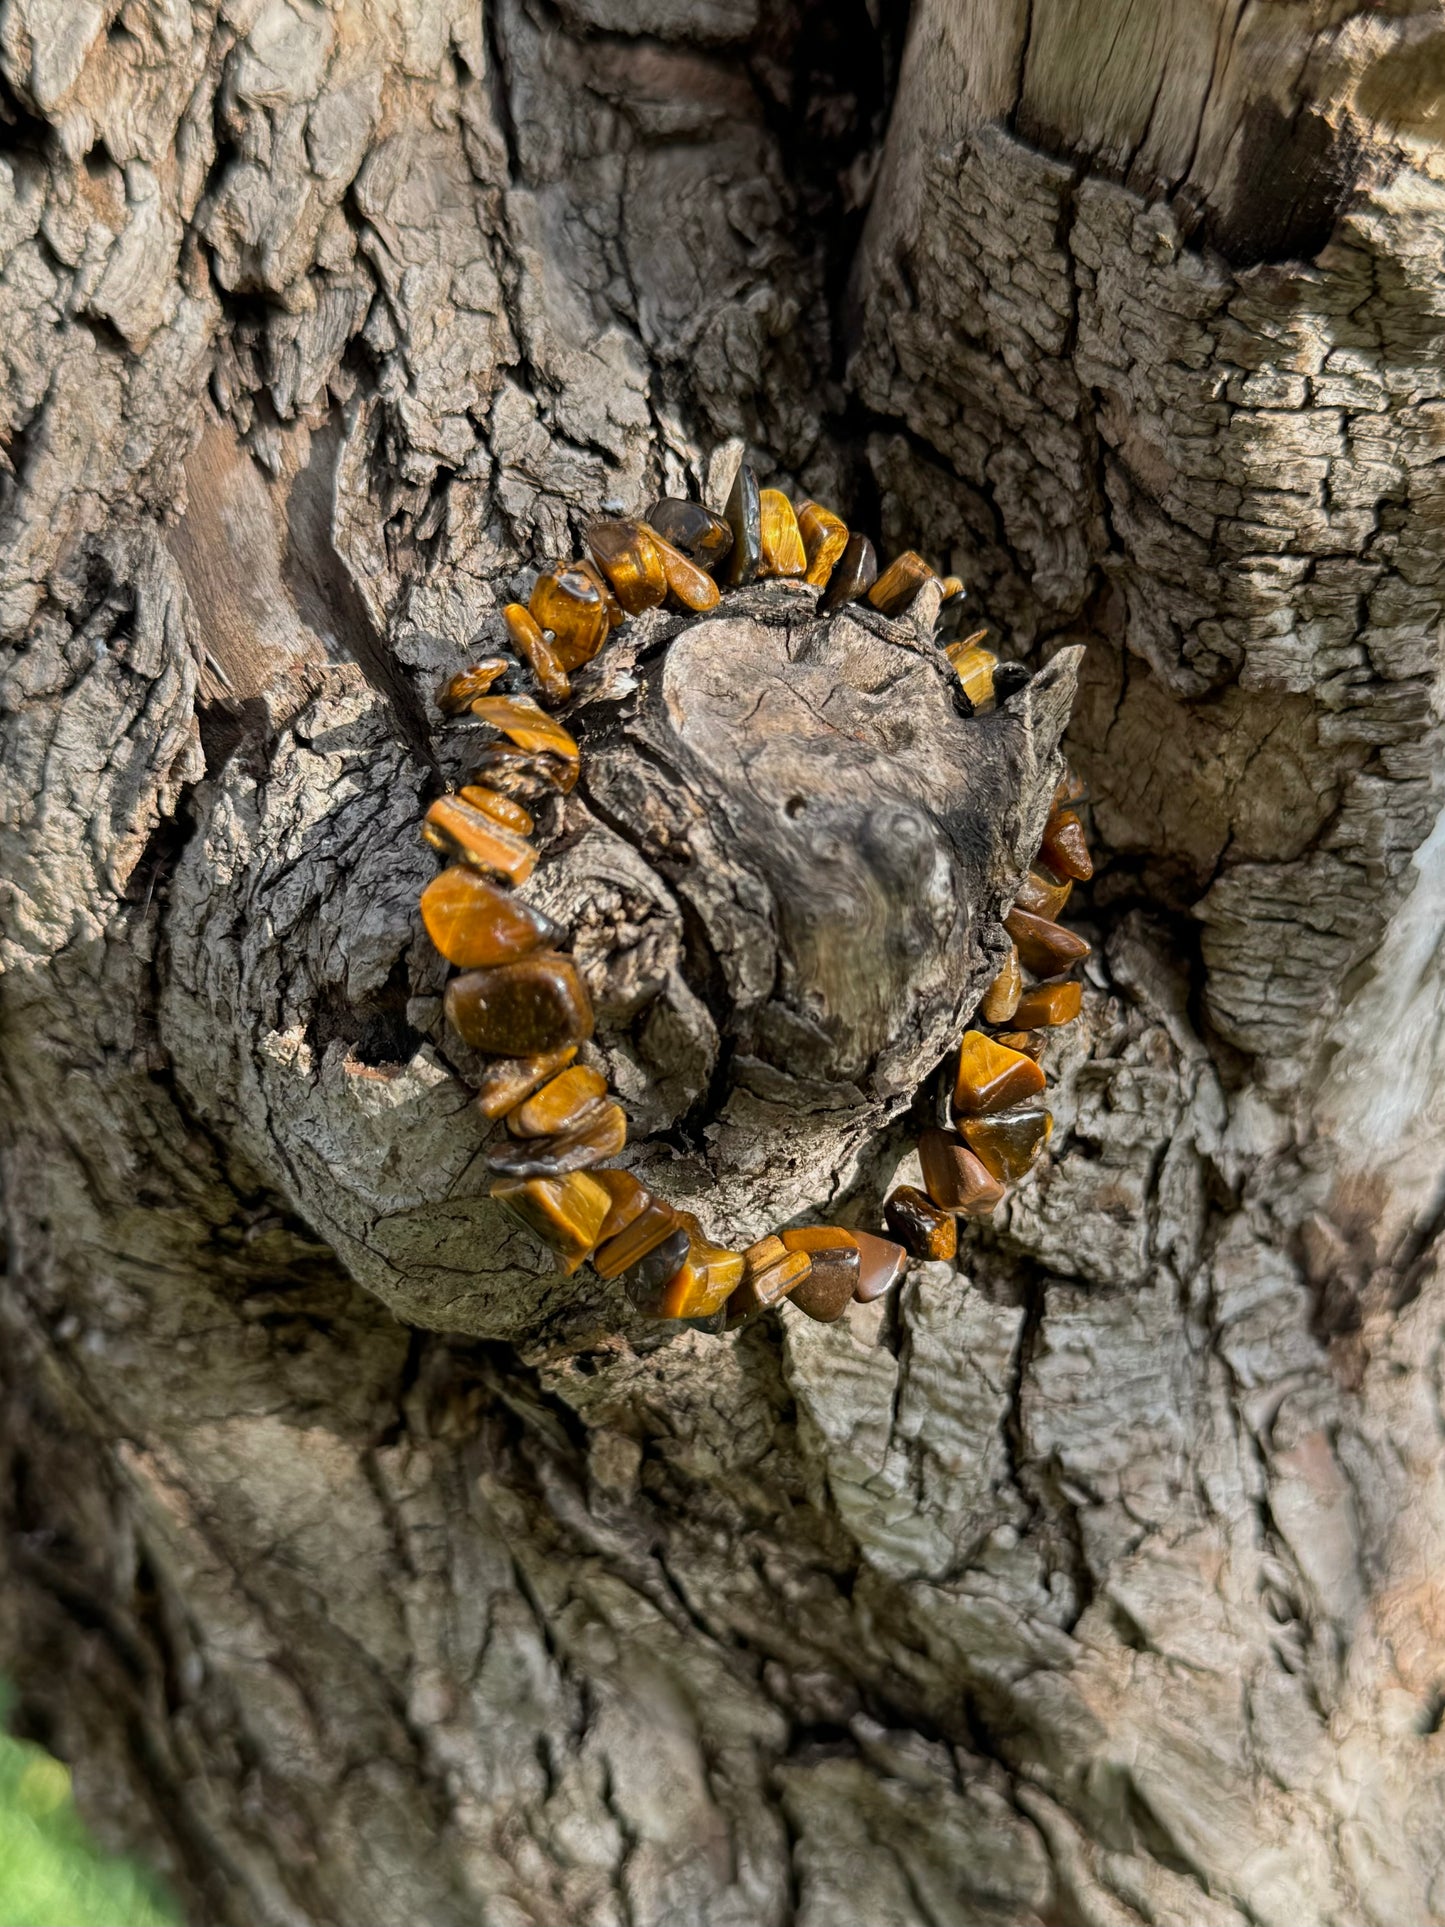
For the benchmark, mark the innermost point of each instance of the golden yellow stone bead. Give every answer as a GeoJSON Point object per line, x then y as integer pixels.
{"type": "Point", "coordinates": [535, 650]}
{"type": "Point", "coordinates": [825, 536]}
{"type": "Point", "coordinates": [783, 551]}
{"type": "Point", "coordinates": [532, 730]}
{"type": "Point", "coordinates": [897, 587]}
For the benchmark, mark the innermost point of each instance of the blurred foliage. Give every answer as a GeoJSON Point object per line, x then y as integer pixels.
{"type": "Point", "coordinates": [51, 1873]}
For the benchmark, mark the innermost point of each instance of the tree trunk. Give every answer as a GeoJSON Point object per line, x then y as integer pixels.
{"type": "Point", "coordinates": [364, 1571]}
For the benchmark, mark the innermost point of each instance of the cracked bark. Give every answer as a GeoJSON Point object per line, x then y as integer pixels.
{"type": "Point", "coordinates": [366, 1573]}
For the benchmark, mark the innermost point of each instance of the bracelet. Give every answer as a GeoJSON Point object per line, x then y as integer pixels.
{"type": "Point", "coordinates": [520, 1000]}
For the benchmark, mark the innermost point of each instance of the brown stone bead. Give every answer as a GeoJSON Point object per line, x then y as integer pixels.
{"type": "Point", "coordinates": [628, 555]}
{"type": "Point", "coordinates": [1001, 999]}
{"type": "Point", "coordinates": [629, 1200]}
{"type": "Point", "coordinates": [825, 536]}
{"type": "Point", "coordinates": [1048, 1005]}
{"type": "Point", "coordinates": [561, 1103]}
{"type": "Point", "coordinates": [704, 1281]}
{"type": "Point", "coordinates": [647, 1230]}
{"type": "Point", "coordinates": [539, 655]}
{"type": "Point", "coordinates": [566, 1213]}
{"type": "Point", "coordinates": [1064, 849]}
{"type": "Point", "coordinates": [766, 1286]}
{"type": "Point", "coordinates": [974, 668]}
{"type": "Point", "coordinates": [463, 689]}
{"type": "Point", "coordinates": [518, 775]}
{"type": "Point", "coordinates": [600, 1135]}
{"type": "Point", "coordinates": [782, 540]}
{"type": "Point", "coordinates": [533, 731]}
{"type": "Point", "coordinates": [990, 1076]}
{"type": "Point", "coordinates": [767, 1251]}
{"type": "Point", "coordinates": [693, 587]}
{"type": "Point", "coordinates": [521, 1009]}
{"type": "Point", "coordinates": [895, 589]}
{"type": "Point", "coordinates": [853, 575]}
{"type": "Point", "coordinates": [953, 614]}
{"type": "Point", "coordinates": [827, 1293]}
{"type": "Point", "coordinates": [1029, 1042]}
{"type": "Point", "coordinates": [704, 538]}
{"type": "Point", "coordinates": [568, 603]}
{"type": "Point", "coordinates": [474, 923]}
{"type": "Point", "coordinates": [744, 513]}
{"type": "Point", "coordinates": [1041, 896]}
{"type": "Point", "coordinates": [919, 1225]}
{"type": "Point", "coordinates": [500, 808]}
{"type": "Point", "coordinates": [1008, 1142]}
{"type": "Point", "coordinates": [503, 1085]}
{"type": "Point", "coordinates": [1047, 948]}
{"type": "Point", "coordinates": [881, 1263]}
{"type": "Point", "coordinates": [1070, 790]}
{"type": "Point", "coordinates": [616, 615]}
{"type": "Point", "coordinates": [955, 1177]}
{"type": "Point", "coordinates": [457, 830]}
{"type": "Point", "coordinates": [646, 1280]}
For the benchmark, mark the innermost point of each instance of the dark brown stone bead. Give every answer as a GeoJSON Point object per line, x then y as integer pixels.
{"type": "Point", "coordinates": [521, 1009]}
{"type": "Point", "coordinates": [766, 1284]}
{"type": "Point", "coordinates": [601, 1135]}
{"type": "Point", "coordinates": [1048, 1005]}
{"type": "Point", "coordinates": [567, 602]}
{"type": "Point", "coordinates": [647, 1230]}
{"type": "Point", "coordinates": [1008, 1142]}
{"type": "Point", "coordinates": [504, 1084]}
{"type": "Point", "coordinates": [562, 1104]}
{"type": "Point", "coordinates": [853, 575]}
{"type": "Point", "coordinates": [704, 538]}
{"type": "Point", "coordinates": [991, 1077]}
{"type": "Point", "coordinates": [537, 652]}
{"type": "Point", "coordinates": [744, 514]}
{"type": "Point", "coordinates": [473, 837]}
{"type": "Point", "coordinates": [500, 808]}
{"type": "Point", "coordinates": [458, 695]}
{"type": "Point", "coordinates": [566, 1213]}
{"type": "Point", "coordinates": [919, 1225]}
{"type": "Point", "coordinates": [896, 588]}
{"type": "Point", "coordinates": [837, 1265]}
{"type": "Point", "coordinates": [881, 1263]}
{"type": "Point", "coordinates": [516, 774]}
{"type": "Point", "coordinates": [629, 1200]}
{"type": "Point", "coordinates": [1065, 849]}
{"type": "Point", "coordinates": [955, 1177]}
{"type": "Point", "coordinates": [953, 615]}
{"type": "Point", "coordinates": [627, 554]}
{"type": "Point", "coordinates": [1047, 948]}
{"type": "Point", "coordinates": [645, 1280]}
{"type": "Point", "coordinates": [1029, 1042]}
{"type": "Point", "coordinates": [825, 536]}
{"type": "Point", "coordinates": [1041, 896]}
{"type": "Point", "coordinates": [474, 923]}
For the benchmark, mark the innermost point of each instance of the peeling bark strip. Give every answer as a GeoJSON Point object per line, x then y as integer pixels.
{"type": "Point", "coordinates": [1097, 1581]}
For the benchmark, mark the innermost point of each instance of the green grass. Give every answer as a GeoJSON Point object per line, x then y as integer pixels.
{"type": "Point", "coordinates": [51, 1873]}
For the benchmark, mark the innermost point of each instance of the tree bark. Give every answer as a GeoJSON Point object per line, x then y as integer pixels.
{"type": "Point", "coordinates": [364, 1570]}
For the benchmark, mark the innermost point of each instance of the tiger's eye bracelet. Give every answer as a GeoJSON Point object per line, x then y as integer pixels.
{"type": "Point", "coordinates": [519, 998]}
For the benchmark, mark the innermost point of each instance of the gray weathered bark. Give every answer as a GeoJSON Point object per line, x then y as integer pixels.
{"type": "Point", "coordinates": [364, 1572]}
